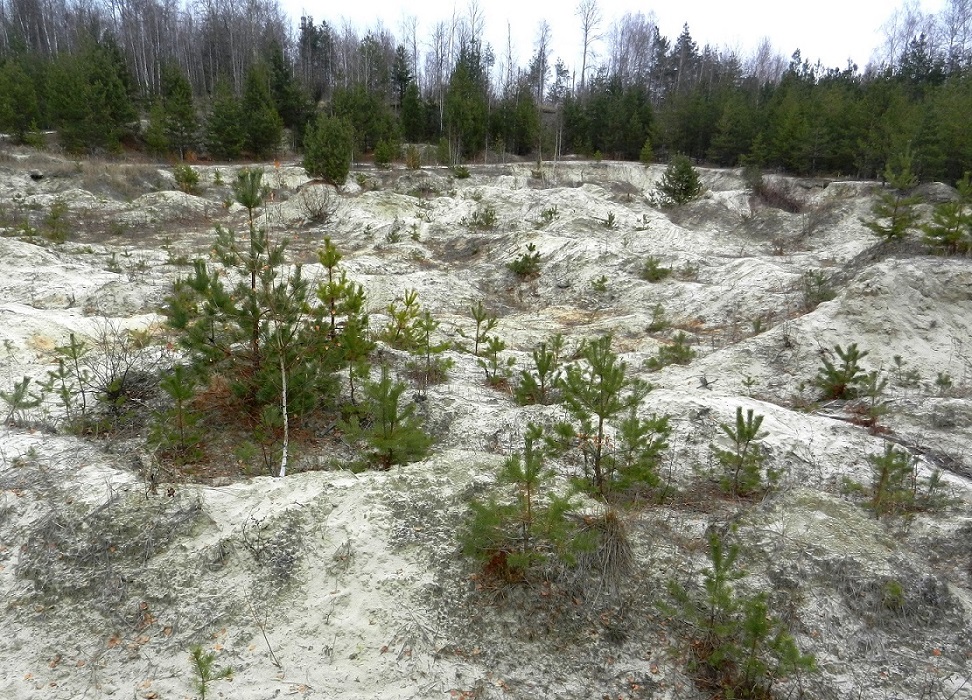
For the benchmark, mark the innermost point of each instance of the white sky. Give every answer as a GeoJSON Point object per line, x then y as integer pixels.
{"type": "Point", "coordinates": [830, 30]}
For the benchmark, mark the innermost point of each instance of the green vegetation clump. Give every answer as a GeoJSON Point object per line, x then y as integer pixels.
{"type": "Point", "coordinates": [739, 649]}
{"type": "Point", "coordinates": [328, 145]}
{"type": "Point", "coordinates": [677, 352]}
{"type": "Point", "coordinates": [389, 428]}
{"type": "Point", "coordinates": [681, 182]}
{"type": "Point", "coordinates": [385, 152]}
{"type": "Point", "coordinates": [652, 270]}
{"type": "Point", "coordinates": [187, 179]}
{"type": "Point", "coordinates": [511, 537]}
{"type": "Point", "coordinates": [527, 264]}
{"type": "Point", "coordinates": [618, 449]}
{"type": "Point", "coordinates": [742, 463]}
{"type": "Point", "coordinates": [894, 212]}
{"type": "Point", "coordinates": [845, 379]}
{"type": "Point", "coordinates": [950, 229]}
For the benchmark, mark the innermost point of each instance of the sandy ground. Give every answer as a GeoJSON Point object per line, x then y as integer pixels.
{"type": "Point", "coordinates": [328, 584]}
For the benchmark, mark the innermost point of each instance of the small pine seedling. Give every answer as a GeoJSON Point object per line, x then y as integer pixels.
{"type": "Point", "coordinates": [845, 380]}
{"type": "Point", "coordinates": [204, 667]}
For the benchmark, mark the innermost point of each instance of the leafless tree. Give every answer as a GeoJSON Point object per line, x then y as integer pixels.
{"type": "Point", "coordinates": [904, 24]}
{"type": "Point", "coordinates": [409, 28]}
{"type": "Point", "coordinates": [590, 16]}
{"type": "Point", "coordinates": [475, 19]}
{"type": "Point", "coordinates": [437, 66]}
{"type": "Point", "coordinates": [540, 65]}
{"type": "Point", "coordinates": [956, 30]}
{"type": "Point", "coordinates": [634, 46]}
{"type": "Point", "coordinates": [766, 64]}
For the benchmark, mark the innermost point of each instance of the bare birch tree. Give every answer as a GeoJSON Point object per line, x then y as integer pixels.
{"type": "Point", "coordinates": [590, 17]}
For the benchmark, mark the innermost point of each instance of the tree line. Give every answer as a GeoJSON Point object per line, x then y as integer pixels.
{"type": "Point", "coordinates": [191, 71]}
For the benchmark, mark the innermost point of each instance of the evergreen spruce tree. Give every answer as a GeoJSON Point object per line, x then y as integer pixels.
{"type": "Point", "coordinates": [224, 132]}
{"type": "Point", "coordinates": [181, 124]}
{"type": "Point", "coordinates": [19, 107]}
{"type": "Point", "coordinates": [288, 98]}
{"type": "Point", "coordinates": [412, 114]}
{"type": "Point", "coordinates": [156, 140]}
{"type": "Point", "coordinates": [328, 144]}
{"type": "Point", "coordinates": [89, 99]}
{"type": "Point", "coordinates": [466, 108]}
{"type": "Point", "coordinates": [263, 127]}
{"type": "Point", "coordinates": [647, 155]}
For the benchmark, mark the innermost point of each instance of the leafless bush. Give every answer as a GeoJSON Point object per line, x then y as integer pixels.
{"type": "Point", "coordinates": [276, 544]}
{"type": "Point", "coordinates": [122, 372]}
{"type": "Point", "coordinates": [318, 202]}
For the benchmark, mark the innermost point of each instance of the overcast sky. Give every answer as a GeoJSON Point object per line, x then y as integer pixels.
{"type": "Point", "coordinates": [832, 31]}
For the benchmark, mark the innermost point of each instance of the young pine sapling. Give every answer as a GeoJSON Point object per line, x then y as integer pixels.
{"type": "Point", "coordinates": [845, 380]}
{"type": "Point", "coordinates": [742, 464]}
{"type": "Point", "coordinates": [431, 366]}
{"type": "Point", "coordinates": [392, 431]}
{"type": "Point", "coordinates": [204, 667]}
{"type": "Point", "coordinates": [485, 323]}
{"type": "Point", "coordinates": [537, 386]}
{"type": "Point", "coordinates": [510, 538]}
{"type": "Point", "coordinates": [401, 332]}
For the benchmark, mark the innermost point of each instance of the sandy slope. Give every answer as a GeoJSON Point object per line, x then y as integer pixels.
{"type": "Point", "coordinates": [332, 585]}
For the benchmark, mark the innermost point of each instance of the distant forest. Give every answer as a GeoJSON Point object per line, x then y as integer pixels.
{"type": "Point", "coordinates": [232, 79]}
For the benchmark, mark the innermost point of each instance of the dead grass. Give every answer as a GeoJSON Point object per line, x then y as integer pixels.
{"type": "Point", "coordinates": [76, 552]}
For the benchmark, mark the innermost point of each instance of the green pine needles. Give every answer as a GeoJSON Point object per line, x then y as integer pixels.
{"type": "Point", "coordinates": [894, 212]}
{"type": "Point", "coordinates": [402, 331]}
{"type": "Point", "coordinates": [540, 385]}
{"type": "Point", "coordinates": [950, 230]}
{"type": "Point", "coordinates": [742, 463]}
{"type": "Point", "coordinates": [681, 182]}
{"type": "Point", "coordinates": [527, 264]}
{"type": "Point", "coordinates": [389, 430]}
{"type": "Point", "coordinates": [512, 536]}
{"type": "Point", "coordinates": [205, 671]}
{"type": "Point", "coordinates": [617, 448]}
{"type": "Point", "coordinates": [282, 355]}
{"type": "Point", "coordinates": [485, 322]}
{"type": "Point", "coordinates": [844, 379]}
{"type": "Point", "coordinates": [678, 352]}
{"type": "Point", "coordinates": [896, 488]}
{"type": "Point", "coordinates": [20, 401]}
{"type": "Point", "coordinates": [328, 145]}
{"type": "Point", "coordinates": [739, 649]}
{"type": "Point", "coordinates": [176, 431]}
